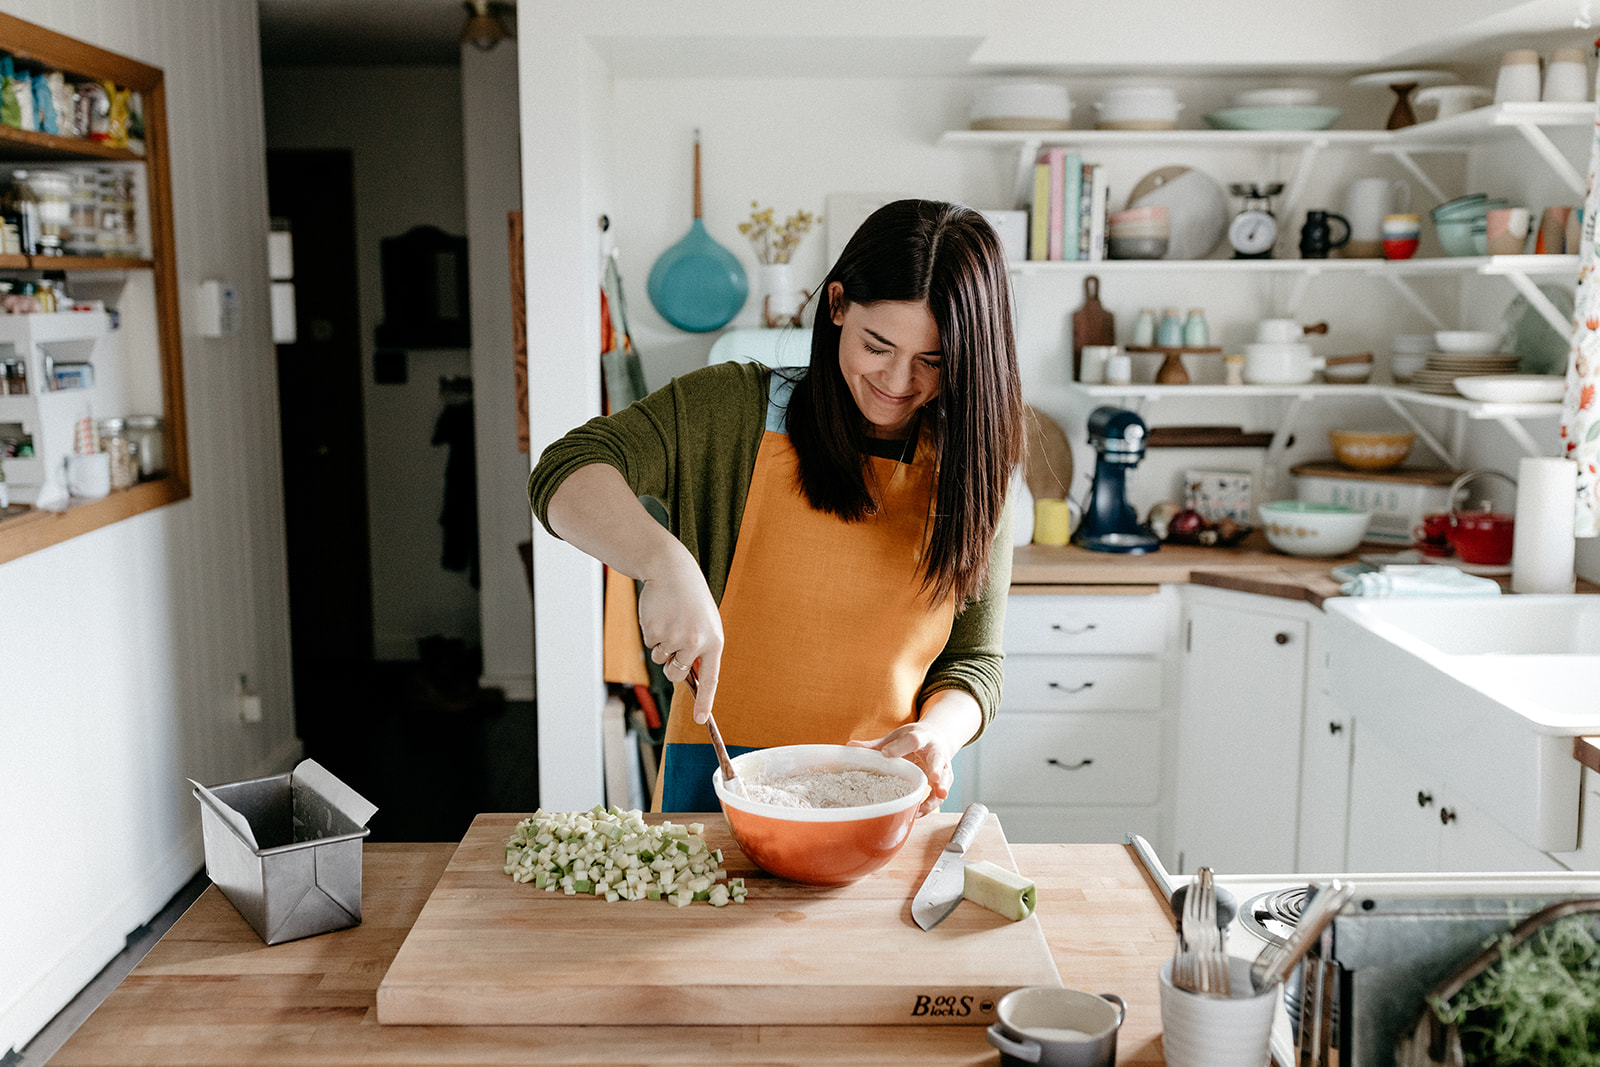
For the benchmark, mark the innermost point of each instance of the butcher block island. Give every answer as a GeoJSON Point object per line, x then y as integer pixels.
{"type": "Point", "coordinates": [487, 950]}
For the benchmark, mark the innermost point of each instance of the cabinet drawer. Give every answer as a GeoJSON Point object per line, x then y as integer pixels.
{"type": "Point", "coordinates": [1082, 683]}
{"type": "Point", "coordinates": [1070, 759]}
{"type": "Point", "coordinates": [1119, 625]}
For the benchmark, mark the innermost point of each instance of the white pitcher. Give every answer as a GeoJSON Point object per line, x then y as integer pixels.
{"type": "Point", "coordinates": [1367, 202]}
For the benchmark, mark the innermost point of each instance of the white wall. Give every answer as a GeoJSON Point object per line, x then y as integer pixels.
{"type": "Point", "coordinates": [494, 188]}
{"type": "Point", "coordinates": [402, 126]}
{"type": "Point", "coordinates": [125, 645]}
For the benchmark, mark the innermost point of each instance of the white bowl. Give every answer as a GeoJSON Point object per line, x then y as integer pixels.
{"type": "Point", "coordinates": [1021, 105]}
{"type": "Point", "coordinates": [1513, 388]}
{"type": "Point", "coordinates": [1471, 341]}
{"type": "Point", "coordinates": [1277, 97]}
{"type": "Point", "coordinates": [1305, 528]}
{"type": "Point", "coordinates": [1138, 103]}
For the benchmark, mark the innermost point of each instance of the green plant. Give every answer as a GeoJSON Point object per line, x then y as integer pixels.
{"type": "Point", "coordinates": [1539, 1005]}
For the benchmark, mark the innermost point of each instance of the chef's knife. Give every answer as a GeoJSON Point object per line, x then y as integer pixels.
{"type": "Point", "coordinates": [941, 890]}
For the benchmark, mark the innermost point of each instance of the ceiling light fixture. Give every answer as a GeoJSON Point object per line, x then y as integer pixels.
{"type": "Point", "coordinates": [486, 25]}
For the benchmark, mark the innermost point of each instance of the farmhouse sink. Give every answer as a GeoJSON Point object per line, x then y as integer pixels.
{"type": "Point", "coordinates": [1486, 693]}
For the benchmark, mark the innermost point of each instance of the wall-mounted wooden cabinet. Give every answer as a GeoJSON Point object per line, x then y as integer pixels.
{"type": "Point", "coordinates": [135, 367]}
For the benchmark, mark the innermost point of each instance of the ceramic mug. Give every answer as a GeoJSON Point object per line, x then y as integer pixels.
{"type": "Point", "coordinates": [1554, 225]}
{"type": "Point", "coordinates": [1057, 1027]}
{"type": "Point", "coordinates": [1507, 231]}
{"type": "Point", "coordinates": [89, 477]}
{"type": "Point", "coordinates": [1092, 363]}
{"type": "Point", "coordinates": [1483, 537]}
{"type": "Point", "coordinates": [1567, 76]}
{"type": "Point", "coordinates": [1518, 80]}
{"type": "Point", "coordinates": [1317, 236]}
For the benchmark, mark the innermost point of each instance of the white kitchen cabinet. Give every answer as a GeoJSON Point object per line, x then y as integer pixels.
{"type": "Point", "coordinates": [1242, 678]}
{"type": "Point", "coordinates": [1076, 750]}
{"type": "Point", "coordinates": [1401, 819]}
{"type": "Point", "coordinates": [1586, 857]}
{"type": "Point", "coordinates": [1325, 753]}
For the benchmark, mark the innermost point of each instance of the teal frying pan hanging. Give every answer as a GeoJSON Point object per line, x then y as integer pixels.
{"type": "Point", "coordinates": [697, 285]}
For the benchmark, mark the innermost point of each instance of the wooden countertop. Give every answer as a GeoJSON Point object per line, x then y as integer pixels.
{"type": "Point", "coordinates": [210, 992]}
{"type": "Point", "coordinates": [1252, 566]}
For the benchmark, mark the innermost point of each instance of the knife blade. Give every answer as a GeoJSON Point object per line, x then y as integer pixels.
{"type": "Point", "coordinates": [941, 889]}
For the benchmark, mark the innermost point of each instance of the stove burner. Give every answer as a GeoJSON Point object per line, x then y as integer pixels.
{"type": "Point", "coordinates": [1272, 916]}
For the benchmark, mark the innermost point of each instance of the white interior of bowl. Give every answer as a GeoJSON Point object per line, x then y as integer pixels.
{"type": "Point", "coordinates": [789, 759]}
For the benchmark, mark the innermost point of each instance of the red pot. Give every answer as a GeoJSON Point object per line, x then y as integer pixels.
{"type": "Point", "coordinates": [1481, 536]}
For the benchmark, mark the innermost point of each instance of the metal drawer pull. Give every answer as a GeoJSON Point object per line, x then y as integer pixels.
{"type": "Point", "coordinates": [1056, 626]}
{"type": "Point", "coordinates": [1069, 766]}
{"type": "Point", "coordinates": [1335, 727]}
{"type": "Point", "coordinates": [1071, 689]}
{"type": "Point", "coordinates": [1424, 799]}
{"type": "Point", "coordinates": [1447, 816]}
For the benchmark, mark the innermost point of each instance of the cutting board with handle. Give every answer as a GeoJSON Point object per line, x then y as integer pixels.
{"type": "Point", "coordinates": [486, 950]}
{"type": "Point", "coordinates": [1092, 324]}
{"type": "Point", "coordinates": [1048, 468]}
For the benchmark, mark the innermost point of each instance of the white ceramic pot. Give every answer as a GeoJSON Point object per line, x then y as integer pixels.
{"type": "Point", "coordinates": [1022, 105]}
{"type": "Point", "coordinates": [1140, 103]}
{"type": "Point", "coordinates": [1280, 364]}
{"type": "Point", "coordinates": [1279, 332]}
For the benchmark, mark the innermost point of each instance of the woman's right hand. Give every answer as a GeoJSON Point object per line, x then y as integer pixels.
{"type": "Point", "coordinates": [681, 625]}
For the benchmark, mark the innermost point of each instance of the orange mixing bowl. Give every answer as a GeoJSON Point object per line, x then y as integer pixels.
{"type": "Point", "coordinates": [820, 846]}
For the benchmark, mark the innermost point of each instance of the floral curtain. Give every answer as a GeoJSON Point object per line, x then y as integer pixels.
{"type": "Point", "coordinates": [1580, 416]}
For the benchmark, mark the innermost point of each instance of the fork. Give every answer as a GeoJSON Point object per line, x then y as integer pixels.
{"type": "Point", "coordinates": [1201, 963]}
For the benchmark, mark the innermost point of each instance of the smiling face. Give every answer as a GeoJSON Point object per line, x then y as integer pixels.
{"type": "Point", "coordinates": [890, 358]}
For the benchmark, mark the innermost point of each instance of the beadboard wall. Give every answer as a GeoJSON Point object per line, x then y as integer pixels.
{"type": "Point", "coordinates": [124, 647]}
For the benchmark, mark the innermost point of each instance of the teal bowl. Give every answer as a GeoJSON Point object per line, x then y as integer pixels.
{"type": "Point", "coordinates": [1463, 237]}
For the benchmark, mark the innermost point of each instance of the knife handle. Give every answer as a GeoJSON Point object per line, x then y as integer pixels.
{"type": "Point", "coordinates": [967, 829]}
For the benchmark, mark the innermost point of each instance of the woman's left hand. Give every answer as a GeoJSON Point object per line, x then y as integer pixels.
{"type": "Point", "coordinates": [949, 720]}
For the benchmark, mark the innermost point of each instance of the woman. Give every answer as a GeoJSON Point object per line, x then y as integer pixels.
{"type": "Point", "coordinates": [838, 544]}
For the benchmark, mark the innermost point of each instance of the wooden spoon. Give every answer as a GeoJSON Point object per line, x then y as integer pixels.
{"type": "Point", "coordinates": [728, 776]}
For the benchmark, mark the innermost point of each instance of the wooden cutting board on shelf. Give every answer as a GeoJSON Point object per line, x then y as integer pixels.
{"type": "Point", "coordinates": [487, 950]}
{"type": "Point", "coordinates": [1092, 324]}
{"type": "Point", "coordinates": [1048, 466]}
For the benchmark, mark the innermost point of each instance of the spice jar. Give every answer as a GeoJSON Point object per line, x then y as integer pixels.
{"type": "Point", "coordinates": [114, 440]}
{"type": "Point", "coordinates": [146, 433]}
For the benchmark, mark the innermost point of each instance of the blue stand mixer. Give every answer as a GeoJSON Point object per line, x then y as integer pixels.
{"type": "Point", "coordinates": [1109, 522]}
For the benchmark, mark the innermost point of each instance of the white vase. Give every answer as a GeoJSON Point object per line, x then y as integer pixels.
{"type": "Point", "coordinates": [780, 297]}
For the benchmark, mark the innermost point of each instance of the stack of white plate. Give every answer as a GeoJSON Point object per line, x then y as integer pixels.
{"type": "Point", "coordinates": [1439, 374]}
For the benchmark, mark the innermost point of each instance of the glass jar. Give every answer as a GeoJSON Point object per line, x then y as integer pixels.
{"type": "Point", "coordinates": [52, 192]}
{"type": "Point", "coordinates": [114, 440]}
{"type": "Point", "coordinates": [146, 433]}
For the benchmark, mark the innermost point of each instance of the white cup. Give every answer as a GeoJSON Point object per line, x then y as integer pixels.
{"type": "Point", "coordinates": [89, 477]}
{"type": "Point", "coordinates": [1518, 80]}
{"type": "Point", "coordinates": [1206, 1031]}
{"type": "Point", "coordinates": [1092, 363]}
{"type": "Point", "coordinates": [1119, 369]}
{"type": "Point", "coordinates": [1280, 364]}
{"type": "Point", "coordinates": [1567, 76]}
{"type": "Point", "coordinates": [1369, 200]}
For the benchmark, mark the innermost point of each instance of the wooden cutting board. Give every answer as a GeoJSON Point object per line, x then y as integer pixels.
{"type": "Point", "coordinates": [1048, 468]}
{"type": "Point", "coordinates": [487, 950]}
{"type": "Point", "coordinates": [1092, 324]}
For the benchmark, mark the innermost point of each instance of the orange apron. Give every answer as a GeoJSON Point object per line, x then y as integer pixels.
{"type": "Point", "coordinates": [828, 634]}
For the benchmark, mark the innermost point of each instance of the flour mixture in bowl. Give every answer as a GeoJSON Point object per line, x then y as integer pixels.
{"type": "Point", "coordinates": [815, 814]}
{"type": "Point", "coordinates": [827, 789]}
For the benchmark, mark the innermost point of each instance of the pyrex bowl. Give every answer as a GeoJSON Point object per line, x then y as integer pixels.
{"type": "Point", "coordinates": [1304, 528]}
{"type": "Point", "coordinates": [820, 846]}
{"type": "Point", "coordinates": [1371, 450]}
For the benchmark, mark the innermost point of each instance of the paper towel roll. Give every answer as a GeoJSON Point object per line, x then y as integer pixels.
{"type": "Point", "coordinates": [1543, 548]}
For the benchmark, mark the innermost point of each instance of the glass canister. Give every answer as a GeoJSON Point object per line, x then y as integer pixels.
{"type": "Point", "coordinates": [146, 433]}
{"type": "Point", "coordinates": [114, 440]}
{"type": "Point", "coordinates": [52, 191]}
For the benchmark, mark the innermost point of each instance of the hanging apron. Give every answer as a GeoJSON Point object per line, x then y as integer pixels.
{"type": "Point", "coordinates": [828, 635]}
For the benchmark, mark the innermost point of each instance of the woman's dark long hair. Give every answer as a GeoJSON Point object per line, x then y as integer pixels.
{"type": "Point", "coordinates": [949, 256]}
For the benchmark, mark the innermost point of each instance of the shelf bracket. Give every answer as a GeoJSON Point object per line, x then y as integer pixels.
{"type": "Point", "coordinates": [1297, 292]}
{"type": "Point", "coordinates": [1273, 459]}
{"type": "Point", "coordinates": [1403, 287]}
{"type": "Point", "coordinates": [1403, 157]}
{"type": "Point", "coordinates": [1433, 443]}
{"type": "Point", "coordinates": [1519, 433]}
{"type": "Point", "coordinates": [1540, 303]}
{"type": "Point", "coordinates": [1554, 157]}
{"type": "Point", "coordinates": [1297, 184]}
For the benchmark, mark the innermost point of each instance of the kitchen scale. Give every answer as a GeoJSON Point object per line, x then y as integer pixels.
{"type": "Point", "coordinates": [1254, 230]}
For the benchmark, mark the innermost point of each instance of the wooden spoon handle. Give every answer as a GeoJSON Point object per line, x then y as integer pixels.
{"type": "Point", "coordinates": [711, 727]}
{"type": "Point", "coordinates": [697, 174]}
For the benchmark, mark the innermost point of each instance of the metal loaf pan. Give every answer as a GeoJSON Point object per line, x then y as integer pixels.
{"type": "Point", "coordinates": [286, 850]}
